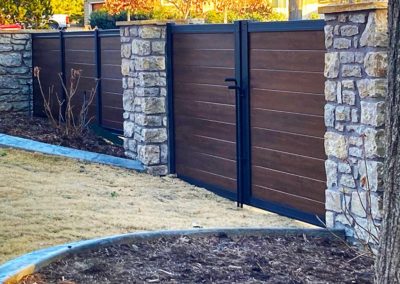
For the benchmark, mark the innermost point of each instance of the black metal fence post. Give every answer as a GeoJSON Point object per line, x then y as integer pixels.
{"type": "Point", "coordinates": [63, 74]}
{"type": "Point", "coordinates": [170, 98]}
{"type": "Point", "coordinates": [245, 113]}
{"type": "Point", "coordinates": [99, 105]}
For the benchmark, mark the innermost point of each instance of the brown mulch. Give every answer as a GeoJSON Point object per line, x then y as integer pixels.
{"type": "Point", "coordinates": [214, 259]}
{"type": "Point", "coordinates": [40, 129]}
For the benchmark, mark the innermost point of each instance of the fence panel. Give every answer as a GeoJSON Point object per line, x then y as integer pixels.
{"type": "Point", "coordinates": [97, 55]}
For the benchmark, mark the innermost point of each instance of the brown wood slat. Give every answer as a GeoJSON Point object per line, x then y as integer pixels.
{"type": "Point", "coordinates": [207, 145]}
{"type": "Point", "coordinates": [204, 162]}
{"type": "Point", "coordinates": [79, 43]}
{"type": "Point", "coordinates": [202, 75]}
{"type": "Point", "coordinates": [111, 57]}
{"type": "Point", "coordinates": [295, 40]}
{"type": "Point", "coordinates": [88, 70]}
{"type": "Point", "coordinates": [203, 127]}
{"type": "Point", "coordinates": [111, 71]}
{"type": "Point", "coordinates": [111, 100]}
{"type": "Point", "coordinates": [288, 122]}
{"type": "Point", "coordinates": [208, 93]}
{"type": "Point", "coordinates": [288, 81]}
{"type": "Point", "coordinates": [114, 114]}
{"type": "Point", "coordinates": [309, 60]}
{"type": "Point", "coordinates": [290, 163]}
{"type": "Point", "coordinates": [80, 56]}
{"type": "Point", "coordinates": [212, 111]}
{"type": "Point", "coordinates": [292, 201]}
{"type": "Point", "coordinates": [292, 184]}
{"type": "Point", "coordinates": [296, 144]}
{"type": "Point", "coordinates": [288, 101]}
{"type": "Point", "coordinates": [204, 41]}
{"type": "Point", "coordinates": [110, 43]}
{"type": "Point", "coordinates": [111, 85]}
{"type": "Point", "coordinates": [112, 124]}
{"type": "Point", "coordinates": [45, 44]}
{"type": "Point", "coordinates": [204, 57]}
{"type": "Point", "coordinates": [209, 178]}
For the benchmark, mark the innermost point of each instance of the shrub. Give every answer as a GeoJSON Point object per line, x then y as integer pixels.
{"type": "Point", "coordinates": [105, 21]}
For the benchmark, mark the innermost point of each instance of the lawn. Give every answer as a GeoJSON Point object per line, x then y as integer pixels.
{"type": "Point", "coordinates": [47, 200]}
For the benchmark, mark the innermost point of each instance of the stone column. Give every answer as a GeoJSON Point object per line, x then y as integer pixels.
{"type": "Point", "coordinates": [15, 72]}
{"type": "Point", "coordinates": [144, 97]}
{"type": "Point", "coordinates": [355, 69]}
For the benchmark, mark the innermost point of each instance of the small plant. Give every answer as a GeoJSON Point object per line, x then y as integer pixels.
{"type": "Point", "coordinates": [68, 121]}
{"type": "Point", "coordinates": [114, 194]}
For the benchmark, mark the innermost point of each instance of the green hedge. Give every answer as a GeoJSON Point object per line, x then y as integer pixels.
{"type": "Point", "coordinates": [105, 21]}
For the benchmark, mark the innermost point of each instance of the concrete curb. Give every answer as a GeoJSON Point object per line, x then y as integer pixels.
{"type": "Point", "coordinates": [35, 146]}
{"type": "Point", "coordinates": [13, 271]}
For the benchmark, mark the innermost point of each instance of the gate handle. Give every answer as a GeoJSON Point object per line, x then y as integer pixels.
{"type": "Point", "coordinates": [235, 86]}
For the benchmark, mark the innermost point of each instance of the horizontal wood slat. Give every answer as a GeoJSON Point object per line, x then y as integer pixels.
{"type": "Point", "coordinates": [204, 41]}
{"type": "Point", "coordinates": [204, 127]}
{"type": "Point", "coordinates": [296, 60]}
{"type": "Point", "coordinates": [288, 122]}
{"type": "Point", "coordinates": [281, 141]}
{"type": "Point", "coordinates": [205, 110]}
{"type": "Point", "coordinates": [288, 101]}
{"type": "Point", "coordinates": [80, 43]}
{"type": "Point", "coordinates": [302, 82]}
{"type": "Point", "coordinates": [291, 201]}
{"type": "Point", "coordinates": [289, 163]}
{"type": "Point", "coordinates": [292, 184]}
{"type": "Point", "coordinates": [203, 75]}
{"type": "Point", "coordinates": [205, 93]}
{"type": "Point", "coordinates": [204, 57]}
{"type": "Point", "coordinates": [291, 40]}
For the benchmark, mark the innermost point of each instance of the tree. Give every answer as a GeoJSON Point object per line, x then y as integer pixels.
{"type": "Point", "coordinates": [32, 13]}
{"type": "Point", "coordinates": [186, 7]}
{"type": "Point", "coordinates": [131, 6]}
{"type": "Point", "coordinates": [73, 8]}
{"type": "Point", "coordinates": [388, 259]}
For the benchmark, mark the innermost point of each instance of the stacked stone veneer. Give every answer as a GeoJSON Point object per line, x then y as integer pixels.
{"type": "Point", "coordinates": [355, 71]}
{"type": "Point", "coordinates": [15, 72]}
{"type": "Point", "coordinates": [144, 97]}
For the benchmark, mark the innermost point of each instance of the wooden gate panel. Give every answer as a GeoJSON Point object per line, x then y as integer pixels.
{"type": "Point", "coordinates": [204, 109]}
{"type": "Point", "coordinates": [287, 123]}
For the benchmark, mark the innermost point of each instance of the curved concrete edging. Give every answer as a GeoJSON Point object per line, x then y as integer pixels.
{"type": "Point", "coordinates": [35, 146]}
{"type": "Point", "coordinates": [13, 271]}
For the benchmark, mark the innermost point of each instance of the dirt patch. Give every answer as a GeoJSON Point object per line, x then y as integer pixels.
{"type": "Point", "coordinates": [216, 259]}
{"type": "Point", "coordinates": [46, 200]}
{"type": "Point", "coordinates": [40, 129]}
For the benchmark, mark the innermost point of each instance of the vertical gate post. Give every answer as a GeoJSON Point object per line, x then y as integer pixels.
{"type": "Point", "coordinates": [355, 70]}
{"type": "Point", "coordinates": [145, 90]}
{"type": "Point", "coordinates": [170, 99]}
{"type": "Point", "coordinates": [99, 106]}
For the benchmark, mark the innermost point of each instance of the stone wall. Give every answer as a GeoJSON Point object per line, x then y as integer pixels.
{"type": "Point", "coordinates": [144, 97]}
{"type": "Point", "coordinates": [355, 70]}
{"type": "Point", "coordinates": [15, 72]}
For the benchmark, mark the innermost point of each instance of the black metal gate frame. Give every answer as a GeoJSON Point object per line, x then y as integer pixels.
{"type": "Point", "coordinates": [241, 30]}
{"type": "Point", "coordinates": [96, 34]}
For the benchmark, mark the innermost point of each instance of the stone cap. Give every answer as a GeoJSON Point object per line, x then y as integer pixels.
{"type": "Point", "coordinates": [350, 7]}
{"type": "Point", "coordinates": [150, 22]}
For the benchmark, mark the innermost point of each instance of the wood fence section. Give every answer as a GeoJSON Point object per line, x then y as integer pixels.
{"type": "Point", "coordinates": [204, 109]}
{"type": "Point", "coordinates": [287, 124]}
{"type": "Point", "coordinates": [98, 55]}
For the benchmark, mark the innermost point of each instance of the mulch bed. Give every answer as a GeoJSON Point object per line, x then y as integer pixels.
{"type": "Point", "coordinates": [213, 259]}
{"type": "Point", "coordinates": [40, 129]}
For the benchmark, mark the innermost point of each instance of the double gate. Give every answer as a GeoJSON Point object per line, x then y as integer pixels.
{"type": "Point", "coordinates": [260, 141]}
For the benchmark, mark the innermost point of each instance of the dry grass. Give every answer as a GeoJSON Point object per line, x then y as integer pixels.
{"type": "Point", "coordinates": [48, 200]}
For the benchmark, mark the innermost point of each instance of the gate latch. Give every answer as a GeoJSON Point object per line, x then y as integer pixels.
{"type": "Point", "coordinates": [235, 86]}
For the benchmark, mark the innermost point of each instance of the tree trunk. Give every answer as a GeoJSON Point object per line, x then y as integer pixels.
{"type": "Point", "coordinates": [388, 259]}
{"type": "Point", "coordinates": [295, 10]}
